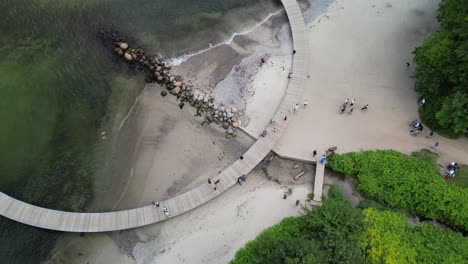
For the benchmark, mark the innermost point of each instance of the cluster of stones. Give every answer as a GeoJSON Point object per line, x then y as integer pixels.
{"type": "Point", "coordinates": [157, 71]}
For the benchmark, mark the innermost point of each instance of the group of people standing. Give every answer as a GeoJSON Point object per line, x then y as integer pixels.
{"type": "Point", "coordinates": [351, 106]}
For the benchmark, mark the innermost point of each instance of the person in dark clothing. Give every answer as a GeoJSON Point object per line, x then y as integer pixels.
{"type": "Point", "coordinates": [314, 153]}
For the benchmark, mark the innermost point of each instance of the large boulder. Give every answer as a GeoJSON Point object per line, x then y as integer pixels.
{"type": "Point", "coordinates": [128, 57]}
{"type": "Point", "coordinates": [176, 90]}
{"type": "Point", "coordinates": [123, 46]}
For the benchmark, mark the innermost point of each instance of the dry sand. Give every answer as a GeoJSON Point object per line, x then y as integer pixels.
{"type": "Point", "coordinates": [358, 50]}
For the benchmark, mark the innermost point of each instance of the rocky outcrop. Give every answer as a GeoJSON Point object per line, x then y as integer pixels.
{"type": "Point", "coordinates": [159, 72]}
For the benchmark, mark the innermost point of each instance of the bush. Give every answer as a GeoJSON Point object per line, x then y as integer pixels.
{"type": "Point", "coordinates": [404, 182]}
{"type": "Point", "coordinates": [390, 239]}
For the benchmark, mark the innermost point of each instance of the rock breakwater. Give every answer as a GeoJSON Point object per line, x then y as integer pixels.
{"type": "Point", "coordinates": [158, 71]}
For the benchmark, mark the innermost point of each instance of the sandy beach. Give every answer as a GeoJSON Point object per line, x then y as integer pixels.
{"type": "Point", "coordinates": [358, 50]}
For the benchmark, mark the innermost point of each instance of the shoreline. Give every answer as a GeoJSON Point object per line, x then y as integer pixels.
{"type": "Point", "coordinates": [181, 59]}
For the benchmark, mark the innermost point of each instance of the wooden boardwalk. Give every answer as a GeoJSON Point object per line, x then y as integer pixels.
{"type": "Point", "coordinates": [318, 185]}
{"type": "Point", "coordinates": [112, 221]}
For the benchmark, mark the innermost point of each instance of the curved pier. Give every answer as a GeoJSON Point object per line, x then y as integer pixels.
{"type": "Point", "coordinates": [111, 221]}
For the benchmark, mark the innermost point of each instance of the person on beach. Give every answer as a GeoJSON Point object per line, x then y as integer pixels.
{"type": "Point", "coordinates": [346, 101]}
{"type": "Point", "coordinates": [305, 103]}
{"type": "Point", "coordinates": [351, 111]}
{"type": "Point", "coordinates": [262, 61]}
{"type": "Point", "coordinates": [430, 134]}
{"type": "Point", "coordinates": [364, 108]}
{"type": "Point", "coordinates": [352, 102]}
{"type": "Point", "coordinates": [285, 118]}
{"type": "Point", "coordinates": [290, 75]}
{"type": "Point", "coordinates": [217, 181]}
{"type": "Point", "coordinates": [343, 109]}
{"type": "Point", "coordinates": [209, 181]}
{"type": "Point", "coordinates": [314, 153]}
{"type": "Point", "coordinates": [294, 52]}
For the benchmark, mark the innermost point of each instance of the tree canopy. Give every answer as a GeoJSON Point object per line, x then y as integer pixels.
{"type": "Point", "coordinates": [442, 71]}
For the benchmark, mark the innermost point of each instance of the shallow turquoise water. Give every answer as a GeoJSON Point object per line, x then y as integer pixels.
{"type": "Point", "coordinates": [60, 87]}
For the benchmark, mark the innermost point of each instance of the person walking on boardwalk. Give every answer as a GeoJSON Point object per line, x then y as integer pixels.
{"type": "Point", "coordinates": [352, 102]}
{"type": "Point", "coordinates": [217, 181]}
{"type": "Point", "coordinates": [364, 108]}
{"type": "Point", "coordinates": [346, 101]}
{"type": "Point", "coordinates": [323, 159]}
{"type": "Point", "coordinates": [314, 153]}
{"type": "Point", "coordinates": [296, 108]}
{"type": "Point", "coordinates": [306, 103]}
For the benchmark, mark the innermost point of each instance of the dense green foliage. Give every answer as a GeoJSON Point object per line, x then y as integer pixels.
{"type": "Point", "coordinates": [442, 71]}
{"type": "Point", "coordinates": [388, 238]}
{"type": "Point", "coordinates": [406, 182]}
{"type": "Point", "coordinates": [328, 234]}
{"type": "Point", "coordinates": [339, 233]}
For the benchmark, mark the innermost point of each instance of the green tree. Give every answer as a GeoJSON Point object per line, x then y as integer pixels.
{"type": "Point", "coordinates": [441, 75]}
{"type": "Point", "coordinates": [454, 113]}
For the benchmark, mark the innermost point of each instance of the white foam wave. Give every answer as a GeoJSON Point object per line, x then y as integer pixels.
{"type": "Point", "coordinates": [181, 59]}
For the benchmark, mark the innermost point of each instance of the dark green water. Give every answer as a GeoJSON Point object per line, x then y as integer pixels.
{"type": "Point", "coordinates": [60, 87]}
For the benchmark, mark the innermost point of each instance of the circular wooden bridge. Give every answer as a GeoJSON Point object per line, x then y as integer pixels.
{"type": "Point", "coordinates": [111, 221]}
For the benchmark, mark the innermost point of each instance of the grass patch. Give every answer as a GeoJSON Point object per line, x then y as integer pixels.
{"type": "Point", "coordinates": [461, 178]}
{"type": "Point", "coordinates": [426, 155]}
